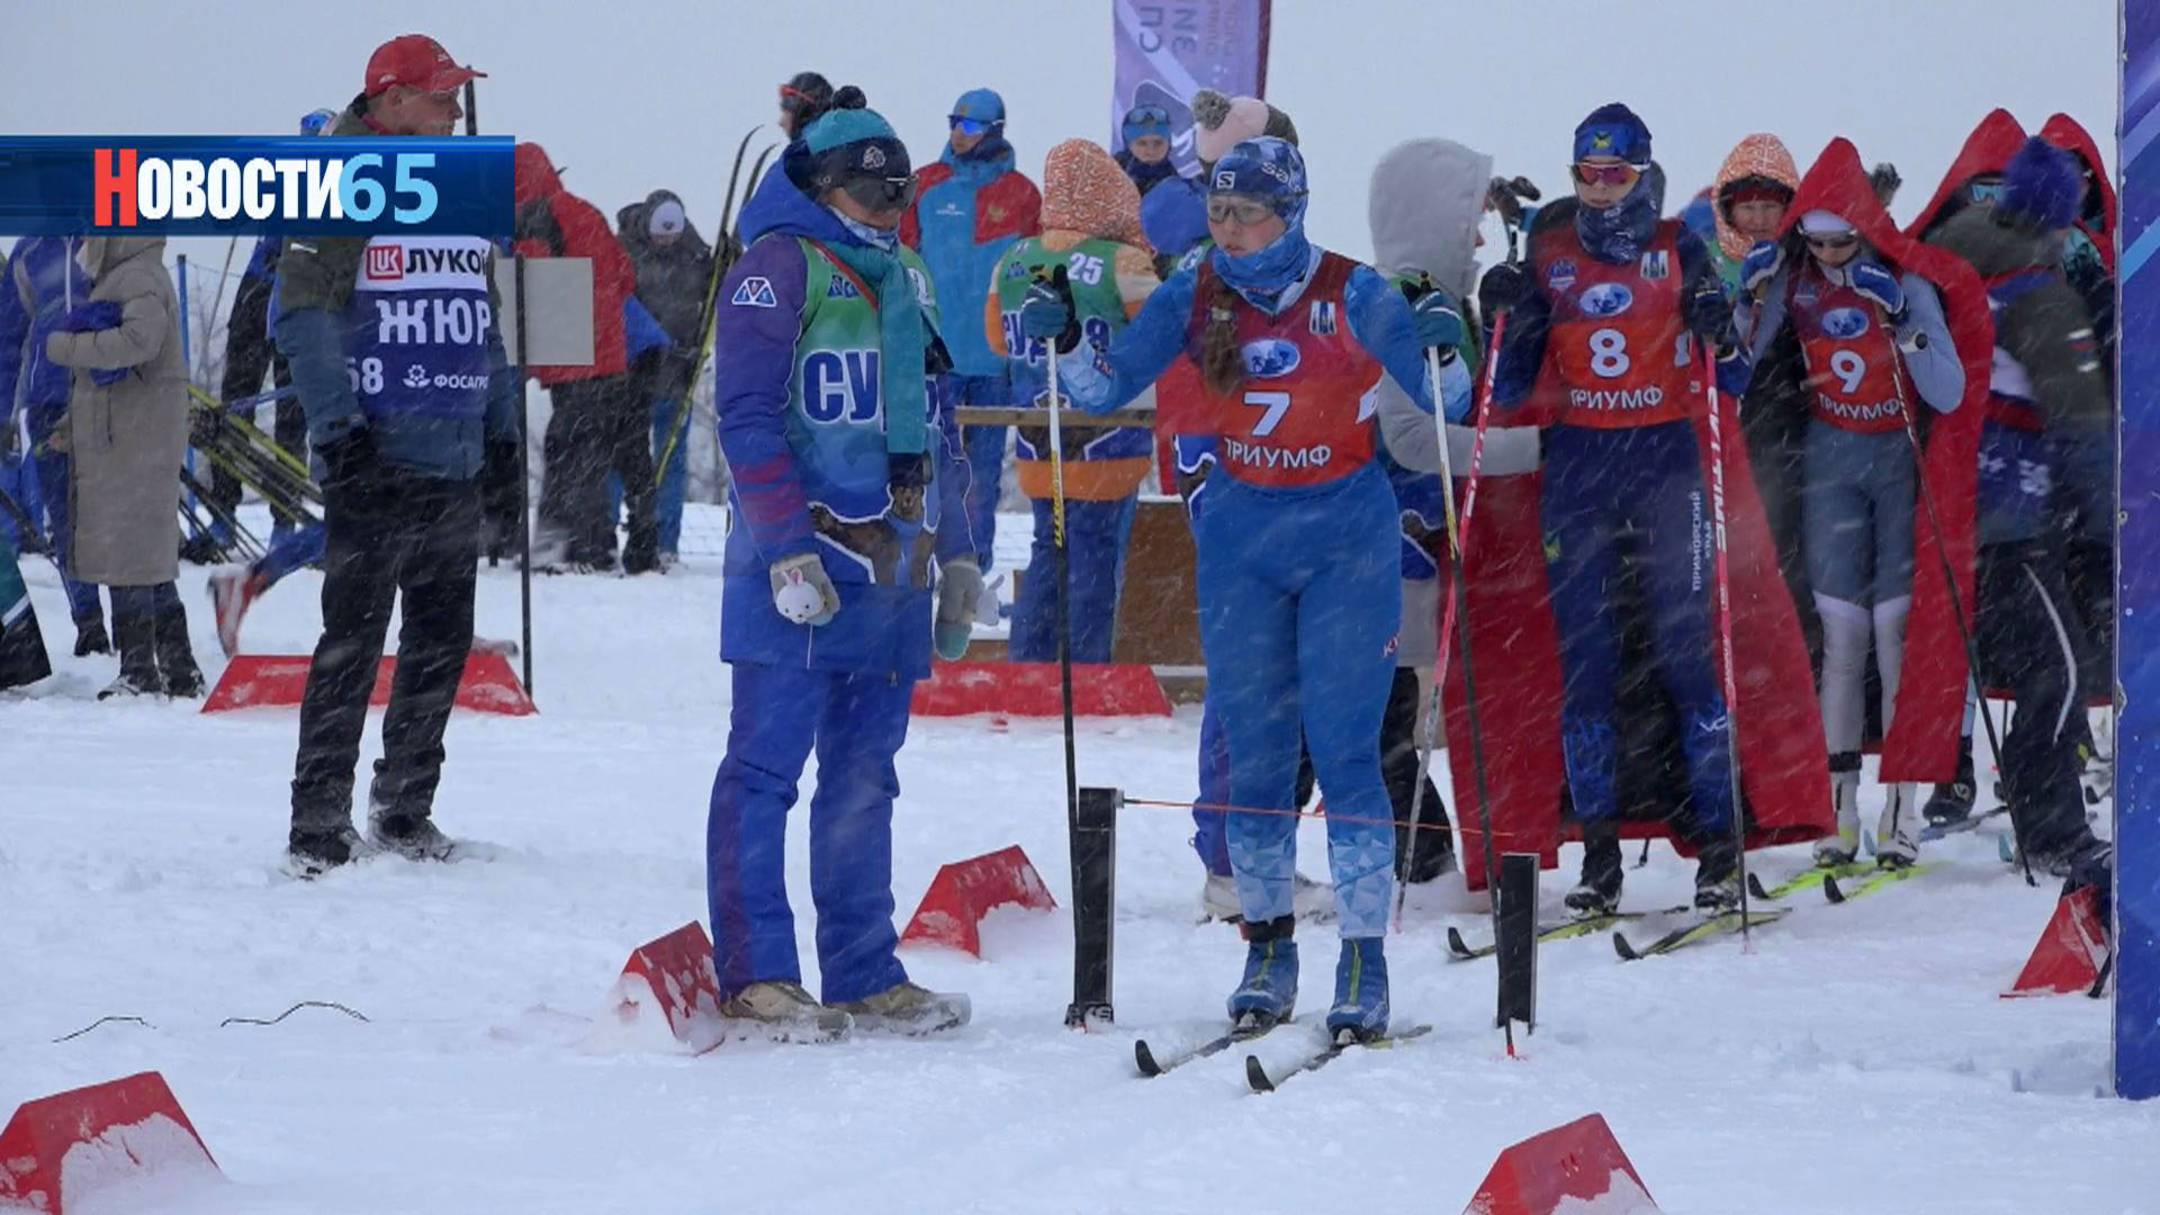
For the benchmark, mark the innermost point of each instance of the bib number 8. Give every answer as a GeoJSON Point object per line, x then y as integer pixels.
{"type": "Point", "coordinates": [1276, 403]}
{"type": "Point", "coordinates": [1849, 368]}
{"type": "Point", "coordinates": [1608, 353]}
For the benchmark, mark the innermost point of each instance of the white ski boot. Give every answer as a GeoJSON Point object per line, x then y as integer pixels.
{"type": "Point", "coordinates": [1840, 848]}
{"type": "Point", "coordinates": [784, 1012]}
{"type": "Point", "coordinates": [1897, 832]}
{"type": "Point", "coordinates": [1218, 899]}
{"type": "Point", "coordinates": [910, 1010]}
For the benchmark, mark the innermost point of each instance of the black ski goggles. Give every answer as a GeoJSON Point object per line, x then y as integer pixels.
{"type": "Point", "coordinates": [881, 193]}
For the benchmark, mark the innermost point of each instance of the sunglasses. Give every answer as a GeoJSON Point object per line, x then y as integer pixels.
{"type": "Point", "coordinates": [970, 126]}
{"type": "Point", "coordinates": [1222, 209]}
{"type": "Point", "coordinates": [1831, 240]}
{"type": "Point", "coordinates": [794, 99]}
{"type": "Point", "coordinates": [881, 193]}
{"type": "Point", "coordinates": [1147, 115]}
{"type": "Point", "coordinates": [1990, 192]}
{"type": "Point", "coordinates": [1610, 174]}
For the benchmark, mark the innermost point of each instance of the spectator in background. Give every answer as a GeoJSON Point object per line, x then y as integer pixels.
{"type": "Point", "coordinates": [44, 285]}
{"type": "Point", "coordinates": [127, 434]}
{"type": "Point", "coordinates": [674, 269]}
{"type": "Point", "coordinates": [969, 209]}
{"type": "Point", "coordinates": [1091, 229]}
{"type": "Point", "coordinates": [1145, 134]}
{"type": "Point", "coordinates": [249, 355]}
{"type": "Point", "coordinates": [18, 472]}
{"type": "Point", "coordinates": [592, 402]}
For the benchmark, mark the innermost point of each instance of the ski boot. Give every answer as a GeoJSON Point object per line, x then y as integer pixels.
{"type": "Point", "coordinates": [1360, 1010]}
{"type": "Point", "coordinates": [1717, 877]}
{"type": "Point", "coordinates": [232, 593]}
{"type": "Point", "coordinates": [1897, 832]}
{"type": "Point", "coordinates": [312, 853]}
{"type": "Point", "coordinates": [1953, 803]}
{"type": "Point", "coordinates": [139, 676]}
{"type": "Point", "coordinates": [179, 676]}
{"type": "Point", "coordinates": [412, 836]}
{"type": "Point", "coordinates": [1431, 856]}
{"type": "Point", "coordinates": [1219, 900]}
{"type": "Point", "coordinates": [909, 1010]}
{"type": "Point", "coordinates": [1840, 848]}
{"type": "Point", "coordinates": [90, 637]}
{"type": "Point", "coordinates": [1268, 992]}
{"type": "Point", "coordinates": [1598, 893]}
{"type": "Point", "coordinates": [783, 1009]}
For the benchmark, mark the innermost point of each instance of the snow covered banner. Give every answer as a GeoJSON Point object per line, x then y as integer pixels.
{"type": "Point", "coordinates": [1169, 50]}
{"type": "Point", "coordinates": [2137, 812]}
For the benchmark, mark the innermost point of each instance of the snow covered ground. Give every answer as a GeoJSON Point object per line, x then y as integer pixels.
{"type": "Point", "coordinates": [1858, 1061]}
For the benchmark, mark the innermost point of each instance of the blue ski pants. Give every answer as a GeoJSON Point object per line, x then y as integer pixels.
{"type": "Point", "coordinates": [1300, 603]}
{"type": "Point", "coordinates": [1636, 496]}
{"type": "Point", "coordinates": [1095, 537]}
{"type": "Point", "coordinates": [856, 723]}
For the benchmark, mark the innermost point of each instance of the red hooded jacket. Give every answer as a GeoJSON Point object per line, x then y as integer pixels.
{"type": "Point", "coordinates": [2065, 132]}
{"type": "Point", "coordinates": [552, 222]}
{"type": "Point", "coordinates": [1922, 743]}
{"type": "Point", "coordinates": [1987, 150]}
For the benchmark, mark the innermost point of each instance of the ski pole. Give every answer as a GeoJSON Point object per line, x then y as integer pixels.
{"type": "Point", "coordinates": [1725, 627]}
{"type": "Point", "coordinates": [723, 258]}
{"type": "Point", "coordinates": [1457, 607]}
{"type": "Point", "coordinates": [1064, 631]}
{"type": "Point", "coordinates": [1957, 594]}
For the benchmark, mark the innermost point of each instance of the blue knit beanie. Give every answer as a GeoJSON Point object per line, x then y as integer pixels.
{"type": "Point", "coordinates": [2042, 187]}
{"type": "Point", "coordinates": [1613, 129]}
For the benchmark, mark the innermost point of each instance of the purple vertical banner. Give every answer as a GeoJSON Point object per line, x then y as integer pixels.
{"type": "Point", "coordinates": [1167, 50]}
{"type": "Point", "coordinates": [2137, 562]}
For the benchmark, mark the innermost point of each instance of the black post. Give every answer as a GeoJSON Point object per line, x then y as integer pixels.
{"type": "Point", "coordinates": [1094, 905]}
{"type": "Point", "coordinates": [517, 375]}
{"type": "Point", "coordinates": [1517, 939]}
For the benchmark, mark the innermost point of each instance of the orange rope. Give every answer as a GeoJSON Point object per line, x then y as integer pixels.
{"type": "Point", "coordinates": [1225, 808]}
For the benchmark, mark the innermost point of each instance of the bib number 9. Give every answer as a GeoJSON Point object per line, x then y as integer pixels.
{"type": "Point", "coordinates": [1608, 353]}
{"type": "Point", "coordinates": [1849, 368]}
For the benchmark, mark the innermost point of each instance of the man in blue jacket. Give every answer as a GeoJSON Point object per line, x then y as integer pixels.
{"type": "Point", "coordinates": [969, 209]}
{"type": "Point", "coordinates": [397, 453]}
{"type": "Point", "coordinates": [43, 285]}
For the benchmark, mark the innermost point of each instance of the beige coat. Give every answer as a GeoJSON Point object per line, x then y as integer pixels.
{"type": "Point", "coordinates": [127, 440]}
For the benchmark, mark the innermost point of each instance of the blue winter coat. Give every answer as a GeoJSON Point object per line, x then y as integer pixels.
{"type": "Point", "coordinates": [42, 279]}
{"type": "Point", "coordinates": [792, 494]}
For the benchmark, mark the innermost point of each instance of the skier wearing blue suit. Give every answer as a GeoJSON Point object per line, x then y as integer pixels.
{"type": "Point", "coordinates": [848, 495]}
{"type": "Point", "coordinates": [1606, 322]}
{"type": "Point", "coordinates": [1299, 544]}
{"type": "Point", "coordinates": [44, 284]}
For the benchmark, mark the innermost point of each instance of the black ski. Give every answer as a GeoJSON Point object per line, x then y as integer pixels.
{"type": "Point", "coordinates": [1150, 1065]}
{"type": "Point", "coordinates": [1936, 831]}
{"type": "Point", "coordinates": [1256, 1074]}
{"type": "Point", "coordinates": [1721, 924]}
{"type": "Point", "coordinates": [1460, 948]}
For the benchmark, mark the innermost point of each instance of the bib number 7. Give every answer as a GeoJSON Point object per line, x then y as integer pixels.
{"type": "Point", "coordinates": [1276, 403]}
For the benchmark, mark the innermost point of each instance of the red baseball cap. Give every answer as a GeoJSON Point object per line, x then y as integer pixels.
{"type": "Point", "coordinates": [416, 60]}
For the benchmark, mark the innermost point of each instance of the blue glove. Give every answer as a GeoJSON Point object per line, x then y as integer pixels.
{"type": "Point", "coordinates": [106, 379]}
{"type": "Point", "coordinates": [1439, 325]}
{"type": "Point", "coordinates": [1879, 285]}
{"type": "Point", "coordinates": [91, 317]}
{"type": "Point", "coordinates": [1046, 312]}
{"type": "Point", "coordinates": [1761, 264]}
